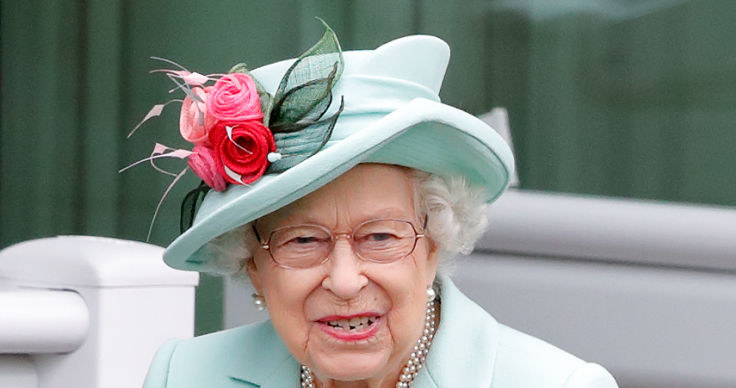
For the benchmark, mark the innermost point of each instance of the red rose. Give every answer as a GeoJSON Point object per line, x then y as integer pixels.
{"type": "Point", "coordinates": [233, 98]}
{"type": "Point", "coordinates": [243, 159]}
{"type": "Point", "coordinates": [202, 162]}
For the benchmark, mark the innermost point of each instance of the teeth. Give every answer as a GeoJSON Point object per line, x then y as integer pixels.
{"type": "Point", "coordinates": [356, 323]}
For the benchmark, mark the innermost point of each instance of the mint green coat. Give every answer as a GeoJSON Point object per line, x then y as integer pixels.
{"type": "Point", "coordinates": [469, 350]}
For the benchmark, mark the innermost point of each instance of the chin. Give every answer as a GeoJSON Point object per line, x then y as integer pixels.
{"type": "Point", "coordinates": [350, 366]}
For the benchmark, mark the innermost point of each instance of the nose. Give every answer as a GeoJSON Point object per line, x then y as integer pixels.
{"type": "Point", "coordinates": [345, 277]}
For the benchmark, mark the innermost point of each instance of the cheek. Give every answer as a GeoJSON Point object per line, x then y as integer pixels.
{"type": "Point", "coordinates": [285, 293]}
{"type": "Point", "coordinates": [407, 291]}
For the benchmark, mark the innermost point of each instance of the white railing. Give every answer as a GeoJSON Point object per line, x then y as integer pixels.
{"type": "Point", "coordinates": [87, 312]}
{"type": "Point", "coordinates": [646, 288]}
{"type": "Point", "coordinates": [42, 321]}
{"type": "Point", "coordinates": [611, 229]}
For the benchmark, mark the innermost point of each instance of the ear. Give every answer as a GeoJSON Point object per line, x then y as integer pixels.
{"type": "Point", "coordinates": [254, 274]}
{"type": "Point", "coordinates": [432, 261]}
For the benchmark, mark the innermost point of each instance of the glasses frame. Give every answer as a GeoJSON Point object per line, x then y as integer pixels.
{"type": "Point", "coordinates": [265, 244]}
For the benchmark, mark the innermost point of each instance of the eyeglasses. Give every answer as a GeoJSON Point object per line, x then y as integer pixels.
{"type": "Point", "coordinates": [308, 245]}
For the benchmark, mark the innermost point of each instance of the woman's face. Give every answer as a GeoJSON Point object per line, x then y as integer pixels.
{"type": "Point", "coordinates": [305, 305]}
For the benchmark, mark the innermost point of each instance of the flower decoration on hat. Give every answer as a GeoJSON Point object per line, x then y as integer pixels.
{"type": "Point", "coordinates": [239, 132]}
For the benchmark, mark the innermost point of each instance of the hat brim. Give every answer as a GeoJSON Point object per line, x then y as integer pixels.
{"type": "Point", "coordinates": [423, 134]}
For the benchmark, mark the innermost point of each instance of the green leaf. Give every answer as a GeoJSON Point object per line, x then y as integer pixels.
{"type": "Point", "coordinates": [239, 68]}
{"type": "Point", "coordinates": [302, 108]}
{"type": "Point", "coordinates": [307, 82]}
{"type": "Point", "coordinates": [189, 206]}
{"type": "Point", "coordinates": [303, 141]}
{"type": "Point", "coordinates": [265, 99]}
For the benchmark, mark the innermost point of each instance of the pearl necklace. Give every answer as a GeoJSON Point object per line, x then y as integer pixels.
{"type": "Point", "coordinates": [416, 358]}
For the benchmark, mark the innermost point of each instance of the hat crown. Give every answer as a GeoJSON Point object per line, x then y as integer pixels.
{"type": "Point", "coordinates": [418, 59]}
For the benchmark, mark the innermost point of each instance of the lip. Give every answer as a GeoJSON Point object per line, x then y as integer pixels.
{"type": "Point", "coordinates": [339, 317]}
{"type": "Point", "coordinates": [354, 335]}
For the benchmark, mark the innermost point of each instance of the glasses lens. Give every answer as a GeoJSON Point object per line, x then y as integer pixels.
{"type": "Point", "coordinates": [300, 246]}
{"type": "Point", "coordinates": [384, 240]}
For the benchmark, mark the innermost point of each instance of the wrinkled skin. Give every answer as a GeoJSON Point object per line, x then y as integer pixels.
{"type": "Point", "coordinates": [345, 285]}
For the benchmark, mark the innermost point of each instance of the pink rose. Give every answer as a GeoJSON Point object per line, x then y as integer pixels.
{"type": "Point", "coordinates": [193, 117]}
{"type": "Point", "coordinates": [202, 162]}
{"type": "Point", "coordinates": [243, 159]}
{"type": "Point", "coordinates": [233, 98]}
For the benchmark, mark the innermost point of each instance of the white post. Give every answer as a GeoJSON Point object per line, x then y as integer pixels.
{"type": "Point", "coordinates": [89, 312]}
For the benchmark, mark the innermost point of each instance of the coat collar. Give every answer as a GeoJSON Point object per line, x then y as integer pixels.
{"type": "Point", "coordinates": [263, 360]}
{"type": "Point", "coordinates": [462, 354]}
{"type": "Point", "coordinates": [464, 349]}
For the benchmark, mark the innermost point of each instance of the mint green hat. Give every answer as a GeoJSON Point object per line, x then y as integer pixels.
{"type": "Point", "coordinates": [392, 114]}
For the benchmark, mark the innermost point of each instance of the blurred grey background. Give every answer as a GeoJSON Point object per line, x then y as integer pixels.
{"type": "Point", "coordinates": [625, 98]}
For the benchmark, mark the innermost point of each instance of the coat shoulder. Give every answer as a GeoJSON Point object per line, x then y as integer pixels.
{"type": "Point", "coordinates": [206, 359]}
{"type": "Point", "coordinates": [524, 361]}
{"type": "Point", "coordinates": [158, 371]}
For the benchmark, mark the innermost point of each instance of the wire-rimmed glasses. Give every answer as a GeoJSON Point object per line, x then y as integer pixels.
{"type": "Point", "coordinates": [308, 245]}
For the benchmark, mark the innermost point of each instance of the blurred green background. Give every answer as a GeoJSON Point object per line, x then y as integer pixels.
{"type": "Point", "coordinates": [630, 98]}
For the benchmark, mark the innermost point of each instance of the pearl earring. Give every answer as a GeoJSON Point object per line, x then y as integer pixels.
{"type": "Point", "coordinates": [258, 302]}
{"type": "Point", "coordinates": [431, 294]}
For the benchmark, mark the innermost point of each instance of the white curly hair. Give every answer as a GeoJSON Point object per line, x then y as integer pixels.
{"type": "Point", "coordinates": [456, 218]}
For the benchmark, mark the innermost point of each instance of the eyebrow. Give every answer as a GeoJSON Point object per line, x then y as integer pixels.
{"type": "Point", "coordinates": [390, 212]}
{"type": "Point", "coordinates": [382, 213]}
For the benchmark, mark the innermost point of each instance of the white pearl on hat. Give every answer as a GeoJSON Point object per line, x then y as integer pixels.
{"type": "Point", "coordinates": [273, 157]}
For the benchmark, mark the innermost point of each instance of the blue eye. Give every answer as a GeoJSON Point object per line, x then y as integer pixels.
{"type": "Point", "coordinates": [305, 240]}
{"type": "Point", "coordinates": [380, 236]}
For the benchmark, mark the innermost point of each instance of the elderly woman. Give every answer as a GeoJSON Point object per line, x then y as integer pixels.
{"type": "Point", "coordinates": [342, 188]}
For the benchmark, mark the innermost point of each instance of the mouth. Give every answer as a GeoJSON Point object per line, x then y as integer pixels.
{"type": "Point", "coordinates": [351, 328]}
